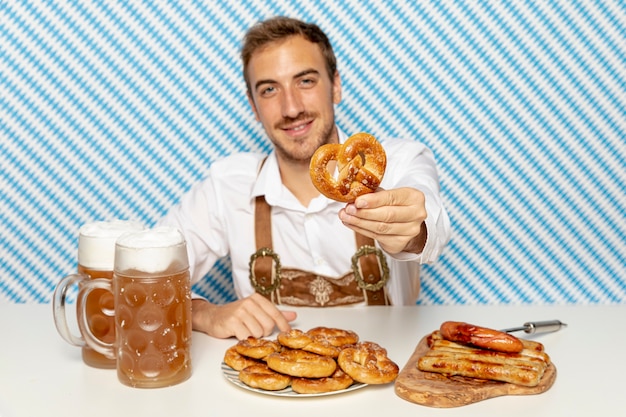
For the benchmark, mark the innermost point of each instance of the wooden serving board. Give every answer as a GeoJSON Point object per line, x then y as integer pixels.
{"type": "Point", "coordinates": [437, 390]}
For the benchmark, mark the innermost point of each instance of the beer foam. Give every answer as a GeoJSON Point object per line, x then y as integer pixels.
{"type": "Point", "coordinates": [96, 242]}
{"type": "Point", "coordinates": [151, 250]}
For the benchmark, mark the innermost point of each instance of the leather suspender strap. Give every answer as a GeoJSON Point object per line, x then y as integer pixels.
{"type": "Point", "coordinates": [373, 273]}
{"type": "Point", "coordinates": [264, 267]}
{"type": "Point", "coordinates": [262, 223]}
{"type": "Point", "coordinates": [264, 264]}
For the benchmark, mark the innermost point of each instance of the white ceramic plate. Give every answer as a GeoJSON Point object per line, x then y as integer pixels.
{"type": "Point", "coordinates": [233, 376]}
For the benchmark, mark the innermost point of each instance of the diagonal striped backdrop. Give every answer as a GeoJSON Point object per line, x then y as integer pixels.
{"type": "Point", "coordinates": [112, 109]}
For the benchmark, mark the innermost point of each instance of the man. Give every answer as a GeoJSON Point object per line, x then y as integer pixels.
{"type": "Point", "coordinates": [321, 252]}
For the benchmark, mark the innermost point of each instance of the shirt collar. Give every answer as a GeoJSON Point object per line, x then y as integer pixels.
{"type": "Point", "coordinates": [268, 177]}
{"type": "Point", "coordinates": [342, 135]}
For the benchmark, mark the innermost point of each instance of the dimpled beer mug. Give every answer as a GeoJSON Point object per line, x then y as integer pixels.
{"type": "Point", "coordinates": [151, 290]}
{"type": "Point", "coordinates": [96, 253]}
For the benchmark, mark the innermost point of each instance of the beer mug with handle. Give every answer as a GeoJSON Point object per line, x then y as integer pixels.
{"type": "Point", "coordinates": [96, 252]}
{"type": "Point", "coordinates": [151, 290]}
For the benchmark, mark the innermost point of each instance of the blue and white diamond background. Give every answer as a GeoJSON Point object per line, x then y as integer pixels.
{"type": "Point", "coordinates": [113, 109]}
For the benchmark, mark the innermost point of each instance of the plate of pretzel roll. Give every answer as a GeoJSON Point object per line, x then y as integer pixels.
{"type": "Point", "coordinates": [316, 362]}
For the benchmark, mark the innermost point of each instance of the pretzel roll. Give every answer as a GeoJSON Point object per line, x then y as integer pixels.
{"type": "Point", "coordinates": [371, 346]}
{"type": "Point", "coordinates": [322, 347]}
{"type": "Point", "coordinates": [361, 163]}
{"type": "Point", "coordinates": [253, 347]}
{"type": "Point", "coordinates": [369, 366]}
{"type": "Point", "coordinates": [294, 339]}
{"type": "Point", "coordinates": [337, 381]}
{"type": "Point", "coordinates": [336, 337]}
{"type": "Point", "coordinates": [299, 363]}
{"type": "Point", "coordinates": [236, 360]}
{"type": "Point", "coordinates": [261, 376]}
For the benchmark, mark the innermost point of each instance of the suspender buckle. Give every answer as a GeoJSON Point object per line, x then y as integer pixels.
{"type": "Point", "coordinates": [368, 250]}
{"type": "Point", "coordinates": [262, 285]}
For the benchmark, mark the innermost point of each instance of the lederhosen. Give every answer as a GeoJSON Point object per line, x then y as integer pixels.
{"type": "Point", "coordinates": [295, 287]}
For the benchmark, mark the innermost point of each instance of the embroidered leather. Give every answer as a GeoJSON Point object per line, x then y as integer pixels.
{"type": "Point", "coordinates": [295, 287]}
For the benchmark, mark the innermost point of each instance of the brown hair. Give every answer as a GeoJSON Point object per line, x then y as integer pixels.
{"type": "Point", "coordinates": [279, 28]}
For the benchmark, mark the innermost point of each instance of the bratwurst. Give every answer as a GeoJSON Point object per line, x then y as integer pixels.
{"type": "Point", "coordinates": [525, 368]}
{"type": "Point", "coordinates": [480, 336]}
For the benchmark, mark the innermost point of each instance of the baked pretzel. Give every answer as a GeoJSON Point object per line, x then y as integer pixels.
{"type": "Point", "coordinates": [322, 347]}
{"type": "Point", "coordinates": [368, 365]}
{"type": "Point", "coordinates": [294, 339]}
{"type": "Point", "coordinates": [334, 336]}
{"type": "Point", "coordinates": [261, 376]}
{"type": "Point", "coordinates": [324, 341]}
{"type": "Point", "coordinates": [236, 360]}
{"type": "Point", "coordinates": [361, 163]}
{"type": "Point", "coordinates": [337, 381]}
{"type": "Point", "coordinates": [297, 339]}
{"type": "Point", "coordinates": [256, 348]}
{"type": "Point", "coordinates": [300, 363]}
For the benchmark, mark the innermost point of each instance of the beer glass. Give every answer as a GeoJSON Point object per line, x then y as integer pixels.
{"type": "Point", "coordinates": [96, 252]}
{"type": "Point", "coordinates": [151, 290]}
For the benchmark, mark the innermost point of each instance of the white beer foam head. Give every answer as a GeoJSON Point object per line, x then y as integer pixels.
{"type": "Point", "coordinates": [151, 250]}
{"type": "Point", "coordinates": [96, 242]}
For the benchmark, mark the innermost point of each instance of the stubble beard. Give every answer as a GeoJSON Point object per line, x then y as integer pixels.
{"type": "Point", "coordinates": [301, 153]}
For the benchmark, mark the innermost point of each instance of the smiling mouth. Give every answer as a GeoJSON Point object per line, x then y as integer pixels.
{"type": "Point", "coordinates": [298, 128]}
{"type": "Point", "coordinates": [296, 125]}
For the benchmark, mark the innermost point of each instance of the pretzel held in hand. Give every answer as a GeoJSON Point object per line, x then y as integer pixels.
{"type": "Point", "coordinates": [361, 163]}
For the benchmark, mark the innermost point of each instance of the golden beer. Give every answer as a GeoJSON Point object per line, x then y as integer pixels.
{"type": "Point", "coordinates": [96, 257]}
{"type": "Point", "coordinates": [154, 326]}
{"type": "Point", "coordinates": [151, 290]}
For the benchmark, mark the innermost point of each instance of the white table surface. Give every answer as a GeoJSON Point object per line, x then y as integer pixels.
{"type": "Point", "coordinates": [42, 375]}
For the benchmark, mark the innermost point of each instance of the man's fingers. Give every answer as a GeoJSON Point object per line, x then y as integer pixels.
{"type": "Point", "coordinates": [262, 317]}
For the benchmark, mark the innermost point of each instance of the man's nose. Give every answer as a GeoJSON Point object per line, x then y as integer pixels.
{"type": "Point", "coordinates": [292, 103]}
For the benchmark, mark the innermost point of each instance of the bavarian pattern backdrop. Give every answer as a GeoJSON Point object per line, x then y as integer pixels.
{"type": "Point", "coordinates": [113, 109]}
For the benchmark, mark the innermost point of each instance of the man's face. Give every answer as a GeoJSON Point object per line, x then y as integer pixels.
{"type": "Point", "coordinates": [293, 96]}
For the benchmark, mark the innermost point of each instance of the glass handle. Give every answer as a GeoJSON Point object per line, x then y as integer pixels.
{"type": "Point", "coordinates": [90, 340]}
{"type": "Point", "coordinates": [58, 308]}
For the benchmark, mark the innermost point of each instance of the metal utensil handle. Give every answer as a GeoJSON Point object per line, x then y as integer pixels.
{"type": "Point", "coordinates": [537, 327]}
{"type": "Point", "coordinates": [543, 326]}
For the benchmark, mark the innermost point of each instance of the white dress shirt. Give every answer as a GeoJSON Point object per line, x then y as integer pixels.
{"type": "Point", "coordinates": [217, 219]}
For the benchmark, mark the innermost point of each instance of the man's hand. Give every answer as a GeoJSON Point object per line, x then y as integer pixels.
{"type": "Point", "coordinates": [395, 218]}
{"type": "Point", "coordinates": [252, 316]}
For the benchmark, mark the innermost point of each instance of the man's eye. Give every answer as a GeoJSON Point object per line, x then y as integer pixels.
{"type": "Point", "coordinates": [307, 82]}
{"type": "Point", "coordinates": [266, 91]}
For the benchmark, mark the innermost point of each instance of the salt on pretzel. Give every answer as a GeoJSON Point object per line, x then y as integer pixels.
{"type": "Point", "coordinates": [297, 339]}
{"type": "Point", "coordinates": [261, 376]}
{"type": "Point", "coordinates": [324, 341]}
{"type": "Point", "coordinates": [334, 336]}
{"type": "Point", "coordinates": [361, 163]}
{"type": "Point", "coordinates": [256, 348]}
{"type": "Point", "coordinates": [300, 363]}
{"type": "Point", "coordinates": [337, 381]}
{"type": "Point", "coordinates": [368, 365]}
{"type": "Point", "coordinates": [236, 360]}
{"type": "Point", "coordinates": [322, 347]}
{"type": "Point", "coordinates": [294, 339]}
